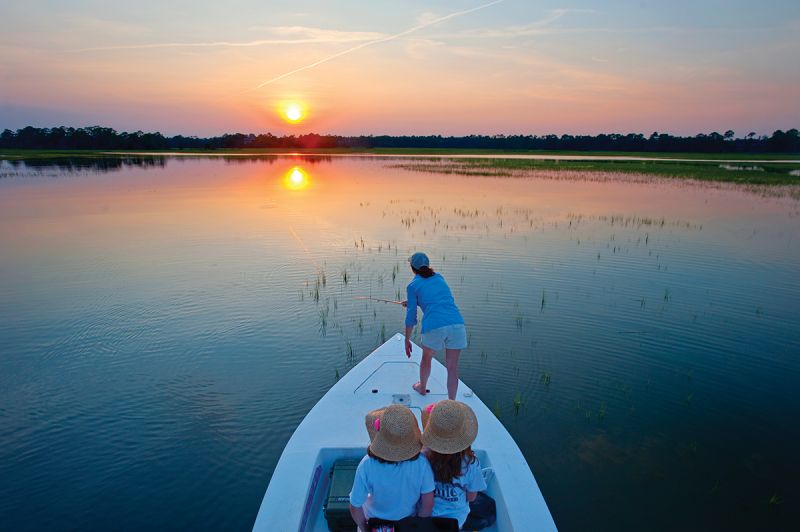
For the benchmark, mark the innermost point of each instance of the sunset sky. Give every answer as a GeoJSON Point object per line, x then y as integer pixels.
{"type": "Point", "coordinates": [413, 67]}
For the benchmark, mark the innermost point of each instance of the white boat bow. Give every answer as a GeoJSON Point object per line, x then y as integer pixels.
{"type": "Point", "coordinates": [334, 429]}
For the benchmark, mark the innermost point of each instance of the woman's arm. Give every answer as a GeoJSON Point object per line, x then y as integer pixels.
{"type": "Point", "coordinates": [411, 316]}
{"type": "Point", "coordinates": [360, 518]}
{"type": "Point", "coordinates": [426, 505]}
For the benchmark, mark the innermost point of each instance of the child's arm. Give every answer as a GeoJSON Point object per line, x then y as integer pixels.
{"type": "Point", "coordinates": [426, 505]}
{"type": "Point", "coordinates": [360, 518]}
{"type": "Point", "coordinates": [358, 496]}
{"type": "Point", "coordinates": [475, 482]}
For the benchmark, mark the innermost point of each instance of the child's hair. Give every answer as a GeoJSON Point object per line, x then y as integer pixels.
{"type": "Point", "coordinates": [446, 467]}
{"type": "Point", "coordinates": [424, 272]}
{"type": "Point", "coordinates": [385, 461]}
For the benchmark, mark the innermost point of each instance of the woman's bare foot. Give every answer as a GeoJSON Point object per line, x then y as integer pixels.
{"type": "Point", "coordinates": [419, 389]}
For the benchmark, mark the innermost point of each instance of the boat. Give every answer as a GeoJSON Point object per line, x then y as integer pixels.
{"type": "Point", "coordinates": [334, 430]}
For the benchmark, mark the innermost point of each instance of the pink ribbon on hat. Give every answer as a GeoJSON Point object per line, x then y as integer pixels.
{"type": "Point", "coordinates": [377, 424]}
{"type": "Point", "coordinates": [430, 407]}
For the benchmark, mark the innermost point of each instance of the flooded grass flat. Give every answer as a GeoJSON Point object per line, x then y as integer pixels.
{"type": "Point", "coordinates": [165, 324]}
{"type": "Point", "coordinates": [762, 173]}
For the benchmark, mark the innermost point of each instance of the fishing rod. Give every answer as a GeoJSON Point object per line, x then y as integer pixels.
{"type": "Point", "coordinates": [393, 301]}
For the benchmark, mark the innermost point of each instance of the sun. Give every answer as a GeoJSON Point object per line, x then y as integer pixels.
{"type": "Point", "coordinates": [293, 112]}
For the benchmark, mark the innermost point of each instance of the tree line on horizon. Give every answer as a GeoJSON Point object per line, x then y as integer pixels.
{"type": "Point", "coordinates": [104, 138]}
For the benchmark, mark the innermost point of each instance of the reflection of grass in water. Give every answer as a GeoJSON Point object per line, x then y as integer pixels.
{"type": "Point", "coordinates": [323, 321]}
{"type": "Point", "coordinates": [775, 500]}
{"type": "Point", "coordinates": [545, 378]}
{"type": "Point", "coordinates": [315, 291]}
{"type": "Point", "coordinates": [518, 403]}
{"type": "Point", "coordinates": [496, 409]}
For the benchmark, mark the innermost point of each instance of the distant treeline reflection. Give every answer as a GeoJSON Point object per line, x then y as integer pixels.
{"type": "Point", "coordinates": [83, 164]}
{"type": "Point", "coordinates": [112, 163]}
{"type": "Point", "coordinates": [105, 138]}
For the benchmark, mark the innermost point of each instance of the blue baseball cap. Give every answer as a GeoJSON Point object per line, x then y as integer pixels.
{"type": "Point", "coordinates": [418, 260]}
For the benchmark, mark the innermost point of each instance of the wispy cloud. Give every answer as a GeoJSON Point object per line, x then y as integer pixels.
{"type": "Point", "coordinates": [426, 23]}
{"type": "Point", "coordinates": [320, 34]}
{"type": "Point", "coordinates": [286, 35]}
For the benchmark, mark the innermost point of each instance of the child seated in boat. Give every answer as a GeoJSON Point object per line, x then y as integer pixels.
{"type": "Point", "coordinates": [395, 475]}
{"type": "Point", "coordinates": [449, 428]}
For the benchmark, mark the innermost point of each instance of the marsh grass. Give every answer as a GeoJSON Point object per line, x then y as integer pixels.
{"type": "Point", "coordinates": [766, 174]}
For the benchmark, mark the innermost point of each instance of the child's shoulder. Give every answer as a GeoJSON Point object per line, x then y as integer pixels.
{"type": "Point", "coordinates": [420, 463]}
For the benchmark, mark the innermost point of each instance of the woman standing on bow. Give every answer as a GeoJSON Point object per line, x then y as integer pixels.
{"type": "Point", "coordinates": [442, 324]}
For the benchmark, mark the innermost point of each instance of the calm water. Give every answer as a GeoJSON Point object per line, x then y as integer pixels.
{"type": "Point", "coordinates": [165, 324]}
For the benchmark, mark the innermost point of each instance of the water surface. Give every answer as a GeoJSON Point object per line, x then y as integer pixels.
{"type": "Point", "coordinates": [166, 323]}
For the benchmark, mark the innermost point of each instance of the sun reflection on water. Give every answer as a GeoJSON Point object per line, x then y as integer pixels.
{"type": "Point", "coordinates": [296, 179]}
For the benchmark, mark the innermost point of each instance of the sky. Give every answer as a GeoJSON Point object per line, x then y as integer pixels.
{"type": "Point", "coordinates": [384, 67]}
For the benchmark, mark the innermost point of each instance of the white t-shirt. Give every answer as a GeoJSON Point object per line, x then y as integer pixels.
{"type": "Point", "coordinates": [450, 499]}
{"type": "Point", "coordinates": [390, 491]}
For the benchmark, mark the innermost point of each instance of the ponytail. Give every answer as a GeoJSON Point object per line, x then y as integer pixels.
{"type": "Point", "coordinates": [423, 272]}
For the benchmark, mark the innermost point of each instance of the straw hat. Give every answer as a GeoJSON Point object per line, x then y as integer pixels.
{"type": "Point", "coordinates": [449, 427]}
{"type": "Point", "coordinates": [372, 422]}
{"type": "Point", "coordinates": [397, 436]}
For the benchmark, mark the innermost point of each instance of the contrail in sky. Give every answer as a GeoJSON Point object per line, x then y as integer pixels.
{"type": "Point", "coordinates": [378, 41]}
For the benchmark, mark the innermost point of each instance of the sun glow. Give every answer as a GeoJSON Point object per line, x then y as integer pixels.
{"type": "Point", "coordinates": [296, 179]}
{"type": "Point", "coordinates": [293, 112]}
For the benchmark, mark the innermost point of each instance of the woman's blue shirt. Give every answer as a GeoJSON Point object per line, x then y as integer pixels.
{"type": "Point", "coordinates": [436, 301]}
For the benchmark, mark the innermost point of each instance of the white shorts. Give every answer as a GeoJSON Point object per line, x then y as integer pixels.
{"type": "Point", "coordinates": [447, 337]}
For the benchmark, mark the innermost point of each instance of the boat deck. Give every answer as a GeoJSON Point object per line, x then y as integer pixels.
{"type": "Point", "coordinates": [335, 429]}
